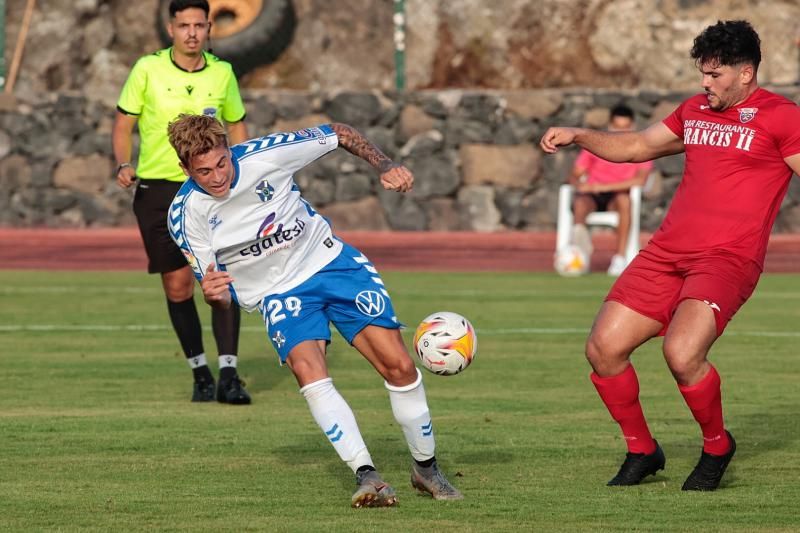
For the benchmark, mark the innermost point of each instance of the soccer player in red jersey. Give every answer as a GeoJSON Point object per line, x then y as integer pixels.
{"type": "Point", "coordinates": [742, 144]}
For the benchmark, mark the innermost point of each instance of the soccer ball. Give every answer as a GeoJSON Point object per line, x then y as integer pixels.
{"type": "Point", "coordinates": [445, 343]}
{"type": "Point", "coordinates": [571, 261]}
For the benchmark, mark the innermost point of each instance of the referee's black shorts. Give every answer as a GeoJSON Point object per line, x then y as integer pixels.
{"type": "Point", "coordinates": [150, 205]}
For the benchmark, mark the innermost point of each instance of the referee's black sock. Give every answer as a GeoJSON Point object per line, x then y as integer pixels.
{"type": "Point", "coordinates": [202, 374]}
{"type": "Point", "coordinates": [187, 327]}
{"type": "Point", "coordinates": [225, 324]}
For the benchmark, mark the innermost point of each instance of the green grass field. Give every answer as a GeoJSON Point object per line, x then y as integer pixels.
{"type": "Point", "coordinates": [97, 433]}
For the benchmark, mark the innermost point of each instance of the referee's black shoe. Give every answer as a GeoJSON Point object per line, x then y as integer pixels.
{"type": "Point", "coordinates": [709, 470]}
{"type": "Point", "coordinates": [203, 391]}
{"type": "Point", "coordinates": [638, 466]}
{"type": "Point", "coordinates": [232, 391]}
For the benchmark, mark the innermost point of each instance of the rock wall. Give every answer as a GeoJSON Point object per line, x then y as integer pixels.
{"type": "Point", "coordinates": [89, 45]}
{"type": "Point", "coordinates": [473, 153]}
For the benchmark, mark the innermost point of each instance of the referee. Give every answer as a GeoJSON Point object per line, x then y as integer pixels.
{"type": "Point", "coordinates": [183, 78]}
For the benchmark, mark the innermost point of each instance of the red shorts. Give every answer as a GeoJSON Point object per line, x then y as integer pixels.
{"type": "Point", "coordinates": [657, 281]}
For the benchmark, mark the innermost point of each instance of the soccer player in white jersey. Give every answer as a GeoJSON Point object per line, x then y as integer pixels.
{"type": "Point", "coordinates": [253, 240]}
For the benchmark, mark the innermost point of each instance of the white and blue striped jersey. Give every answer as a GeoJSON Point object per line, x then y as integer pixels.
{"type": "Point", "coordinates": [263, 232]}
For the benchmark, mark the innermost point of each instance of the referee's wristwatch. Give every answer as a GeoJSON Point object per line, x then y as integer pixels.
{"type": "Point", "coordinates": [121, 166]}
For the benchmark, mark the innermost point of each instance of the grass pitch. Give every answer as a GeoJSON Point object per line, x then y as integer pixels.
{"type": "Point", "coordinates": [97, 433]}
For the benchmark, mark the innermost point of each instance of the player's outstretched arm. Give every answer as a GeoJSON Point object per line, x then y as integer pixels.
{"type": "Point", "coordinates": [557, 136]}
{"type": "Point", "coordinates": [619, 147]}
{"type": "Point", "coordinates": [215, 288]}
{"type": "Point", "coordinates": [394, 176]}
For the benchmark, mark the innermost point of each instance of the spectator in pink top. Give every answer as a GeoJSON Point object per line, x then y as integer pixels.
{"type": "Point", "coordinates": [601, 185]}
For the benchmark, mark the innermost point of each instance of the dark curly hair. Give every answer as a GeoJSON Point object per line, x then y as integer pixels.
{"type": "Point", "coordinates": [729, 42]}
{"type": "Point", "coordinates": [177, 6]}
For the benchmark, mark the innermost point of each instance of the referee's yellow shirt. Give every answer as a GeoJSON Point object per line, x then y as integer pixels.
{"type": "Point", "coordinates": [158, 90]}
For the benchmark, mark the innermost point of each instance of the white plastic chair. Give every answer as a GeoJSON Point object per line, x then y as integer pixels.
{"type": "Point", "coordinates": [598, 218]}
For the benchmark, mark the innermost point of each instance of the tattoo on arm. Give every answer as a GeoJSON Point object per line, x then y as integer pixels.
{"type": "Point", "coordinates": [355, 143]}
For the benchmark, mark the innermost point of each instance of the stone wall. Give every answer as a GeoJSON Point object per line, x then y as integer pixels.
{"type": "Point", "coordinates": [474, 156]}
{"type": "Point", "coordinates": [90, 45]}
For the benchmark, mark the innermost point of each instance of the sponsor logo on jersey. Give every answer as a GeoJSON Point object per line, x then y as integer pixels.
{"type": "Point", "coordinates": [328, 243]}
{"type": "Point", "coordinates": [265, 191]}
{"type": "Point", "coordinates": [281, 238]}
{"type": "Point", "coordinates": [703, 107]}
{"type": "Point", "coordinates": [214, 222]}
{"type": "Point", "coordinates": [318, 135]}
{"type": "Point", "coordinates": [712, 305]}
{"type": "Point", "coordinates": [266, 226]}
{"type": "Point", "coordinates": [708, 133]}
{"type": "Point", "coordinates": [210, 111]}
{"type": "Point", "coordinates": [311, 133]}
{"type": "Point", "coordinates": [370, 303]}
{"type": "Point", "coordinates": [746, 114]}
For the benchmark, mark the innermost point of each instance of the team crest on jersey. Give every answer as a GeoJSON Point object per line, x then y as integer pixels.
{"type": "Point", "coordinates": [210, 111]}
{"type": "Point", "coordinates": [265, 191]}
{"type": "Point", "coordinates": [746, 114]}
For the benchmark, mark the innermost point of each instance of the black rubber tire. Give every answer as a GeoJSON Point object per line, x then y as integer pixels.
{"type": "Point", "coordinates": [259, 43]}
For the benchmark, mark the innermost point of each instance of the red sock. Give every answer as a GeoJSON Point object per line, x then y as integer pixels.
{"type": "Point", "coordinates": [705, 401]}
{"type": "Point", "coordinates": [620, 393]}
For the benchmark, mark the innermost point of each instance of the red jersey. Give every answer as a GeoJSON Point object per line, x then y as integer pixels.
{"type": "Point", "coordinates": [735, 176]}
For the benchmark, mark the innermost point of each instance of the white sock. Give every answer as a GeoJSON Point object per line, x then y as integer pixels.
{"type": "Point", "coordinates": [337, 421]}
{"type": "Point", "coordinates": [227, 360]}
{"type": "Point", "coordinates": [197, 361]}
{"type": "Point", "coordinates": [410, 408]}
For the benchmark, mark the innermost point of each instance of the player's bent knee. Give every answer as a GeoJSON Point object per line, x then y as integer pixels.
{"type": "Point", "coordinates": [306, 363]}
{"type": "Point", "coordinates": [605, 359]}
{"type": "Point", "coordinates": [593, 352]}
{"type": "Point", "coordinates": [684, 365]}
{"type": "Point", "coordinates": [400, 372]}
{"type": "Point", "coordinates": [178, 284]}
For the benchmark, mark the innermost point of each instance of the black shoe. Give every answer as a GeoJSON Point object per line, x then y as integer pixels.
{"type": "Point", "coordinates": [232, 391]}
{"type": "Point", "coordinates": [709, 470]}
{"type": "Point", "coordinates": [638, 466]}
{"type": "Point", "coordinates": [203, 391]}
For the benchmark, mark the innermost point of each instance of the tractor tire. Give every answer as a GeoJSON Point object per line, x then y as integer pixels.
{"type": "Point", "coordinates": [246, 33]}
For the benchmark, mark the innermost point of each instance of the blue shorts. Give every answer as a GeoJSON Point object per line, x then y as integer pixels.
{"type": "Point", "coordinates": [348, 292]}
